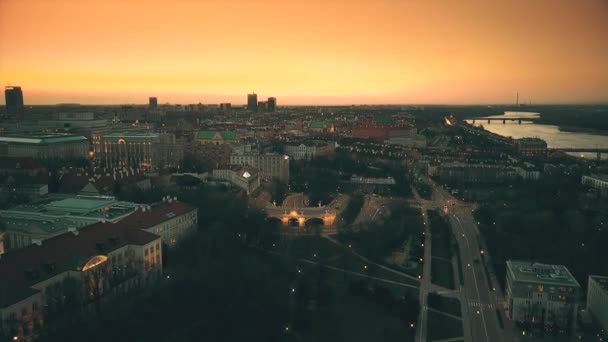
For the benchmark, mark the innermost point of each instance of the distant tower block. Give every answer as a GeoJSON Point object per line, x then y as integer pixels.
{"type": "Point", "coordinates": [272, 104]}
{"type": "Point", "coordinates": [252, 102]}
{"type": "Point", "coordinates": [14, 101]}
{"type": "Point", "coordinates": [152, 102]}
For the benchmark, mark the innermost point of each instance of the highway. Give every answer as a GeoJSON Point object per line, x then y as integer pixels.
{"type": "Point", "coordinates": [481, 300]}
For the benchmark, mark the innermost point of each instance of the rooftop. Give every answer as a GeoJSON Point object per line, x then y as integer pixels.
{"type": "Point", "coordinates": [80, 205]}
{"type": "Point", "coordinates": [130, 135]}
{"type": "Point", "coordinates": [42, 139]}
{"type": "Point", "coordinates": [537, 273]}
{"type": "Point", "coordinates": [224, 135]}
{"type": "Point", "coordinates": [317, 124]}
{"type": "Point", "coordinates": [54, 213]}
{"type": "Point", "coordinates": [59, 254]}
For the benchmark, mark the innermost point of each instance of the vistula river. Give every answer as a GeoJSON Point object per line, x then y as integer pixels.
{"type": "Point", "coordinates": [549, 133]}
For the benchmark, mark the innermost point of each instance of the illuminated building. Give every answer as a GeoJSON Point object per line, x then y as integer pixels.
{"type": "Point", "coordinates": [172, 220]}
{"type": "Point", "coordinates": [243, 177]}
{"type": "Point", "coordinates": [309, 150]}
{"type": "Point", "coordinates": [531, 147]}
{"type": "Point", "coordinates": [547, 295]}
{"type": "Point", "coordinates": [85, 265]}
{"type": "Point", "coordinates": [269, 165]}
{"type": "Point", "coordinates": [140, 149]}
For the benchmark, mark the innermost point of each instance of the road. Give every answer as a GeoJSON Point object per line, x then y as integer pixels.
{"type": "Point", "coordinates": [480, 299]}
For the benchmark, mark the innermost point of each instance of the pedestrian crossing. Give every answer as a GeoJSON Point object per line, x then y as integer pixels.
{"type": "Point", "coordinates": [476, 304]}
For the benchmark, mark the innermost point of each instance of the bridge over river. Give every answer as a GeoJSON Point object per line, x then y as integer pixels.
{"type": "Point", "coordinates": [301, 215]}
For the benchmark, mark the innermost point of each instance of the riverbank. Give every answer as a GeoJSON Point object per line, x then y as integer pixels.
{"type": "Point", "coordinates": [576, 129]}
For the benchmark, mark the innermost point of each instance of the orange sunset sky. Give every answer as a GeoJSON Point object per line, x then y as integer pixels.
{"type": "Point", "coordinates": [305, 52]}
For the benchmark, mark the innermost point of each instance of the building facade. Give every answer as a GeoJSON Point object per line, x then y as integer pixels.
{"type": "Point", "coordinates": [597, 300]}
{"type": "Point", "coordinates": [172, 220]}
{"type": "Point", "coordinates": [152, 102]}
{"type": "Point", "coordinates": [243, 177]}
{"type": "Point", "coordinates": [269, 165]}
{"type": "Point", "coordinates": [140, 149]}
{"type": "Point", "coordinates": [547, 295]}
{"type": "Point", "coordinates": [45, 147]}
{"type": "Point", "coordinates": [101, 260]}
{"type": "Point", "coordinates": [531, 147]}
{"type": "Point", "coordinates": [14, 101]}
{"type": "Point", "coordinates": [309, 150]}
{"type": "Point", "coordinates": [252, 102]}
{"type": "Point", "coordinates": [474, 173]}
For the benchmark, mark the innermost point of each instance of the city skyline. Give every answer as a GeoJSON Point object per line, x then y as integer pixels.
{"type": "Point", "coordinates": [315, 53]}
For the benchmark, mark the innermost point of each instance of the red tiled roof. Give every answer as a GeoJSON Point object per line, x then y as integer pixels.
{"type": "Point", "coordinates": [157, 214]}
{"type": "Point", "coordinates": [66, 251]}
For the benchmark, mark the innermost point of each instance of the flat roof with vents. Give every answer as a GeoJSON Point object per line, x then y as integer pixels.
{"type": "Point", "coordinates": [537, 273]}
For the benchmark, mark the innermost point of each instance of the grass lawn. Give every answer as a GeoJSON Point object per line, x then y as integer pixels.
{"type": "Point", "coordinates": [450, 306]}
{"type": "Point", "coordinates": [441, 327]}
{"type": "Point", "coordinates": [442, 273]}
{"type": "Point", "coordinates": [441, 235]}
{"type": "Point", "coordinates": [331, 254]}
{"type": "Point", "coordinates": [354, 319]}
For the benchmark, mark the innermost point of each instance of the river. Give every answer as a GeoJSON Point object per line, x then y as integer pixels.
{"type": "Point", "coordinates": [549, 133]}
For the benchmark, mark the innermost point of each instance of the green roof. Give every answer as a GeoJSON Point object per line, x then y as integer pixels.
{"type": "Point", "coordinates": [537, 273]}
{"type": "Point", "coordinates": [209, 135]}
{"type": "Point", "coordinates": [317, 124]}
{"type": "Point", "coordinates": [79, 204]}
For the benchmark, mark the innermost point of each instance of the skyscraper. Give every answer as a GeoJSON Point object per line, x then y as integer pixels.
{"type": "Point", "coordinates": [252, 102]}
{"type": "Point", "coordinates": [272, 104]}
{"type": "Point", "coordinates": [152, 102]}
{"type": "Point", "coordinates": [14, 101]}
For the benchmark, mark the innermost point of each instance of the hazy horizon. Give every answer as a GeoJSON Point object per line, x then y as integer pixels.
{"type": "Point", "coordinates": [337, 52]}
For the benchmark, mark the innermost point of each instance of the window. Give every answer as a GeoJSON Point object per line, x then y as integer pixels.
{"type": "Point", "coordinates": [146, 252]}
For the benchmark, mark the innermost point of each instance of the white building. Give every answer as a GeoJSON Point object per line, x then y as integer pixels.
{"type": "Point", "coordinates": [244, 177]}
{"type": "Point", "coordinates": [268, 165]}
{"type": "Point", "coordinates": [309, 150]}
{"type": "Point", "coordinates": [597, 181]}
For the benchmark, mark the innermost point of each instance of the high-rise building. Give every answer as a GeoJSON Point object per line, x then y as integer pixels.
{"type": "Point", "coordinates": [152, 102]}
{"type": "Point", "coordinates": [272, 104]}
{"type": "Point", "coordinates": [261, 106]}
{"type": "Point", "coordinates": [14, 101]}
{"type": "Point", "coordinates": [252, 102]}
